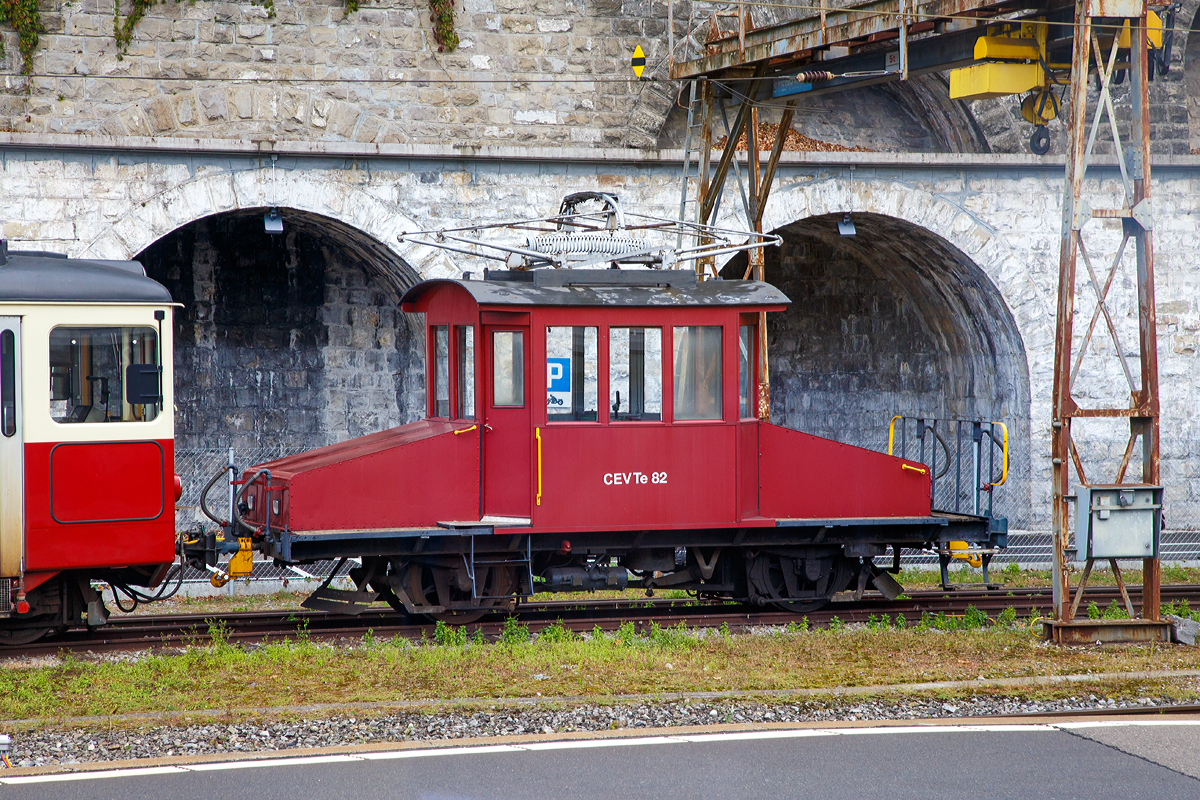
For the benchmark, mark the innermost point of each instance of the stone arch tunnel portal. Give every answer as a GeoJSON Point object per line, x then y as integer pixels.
{"type": "Point", "coordinates": [893, 320]}
{"type": "Point", "coordinates": [289, 341]}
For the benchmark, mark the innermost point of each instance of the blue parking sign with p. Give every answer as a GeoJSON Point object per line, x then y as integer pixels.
{"type": "Point", "coordinates": [558, 384]}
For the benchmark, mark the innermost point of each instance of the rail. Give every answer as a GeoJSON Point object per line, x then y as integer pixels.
{"type": "Point", "coordinates": [151, 632]}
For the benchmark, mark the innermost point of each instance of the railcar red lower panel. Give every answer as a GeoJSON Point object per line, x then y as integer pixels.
{"type": "Point", "coordinates": [99, 504]}
{"type": "Point", "coordinates": [77, 496]}
{"type": "Point", "coordinates": [805, 476]}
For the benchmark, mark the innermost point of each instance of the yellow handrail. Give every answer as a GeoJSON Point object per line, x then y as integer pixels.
{"type": "Point", "coordinates": [1004, 459]}
{"type": "Point", "coordinates": [467, 430]}
{"type": "Point", "coordinates": [914, 469]}
{"type": "Point", "coordinates": [892, 431]}
{"type": "Point", "coordinates": [537, 432]}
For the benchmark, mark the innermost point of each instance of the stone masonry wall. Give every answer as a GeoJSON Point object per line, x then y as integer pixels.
{"type": "Point", "coordinates": [530, 72]}
{"type": "Point", "coordinates": [1000, 213]}
{"type": "Point", "coordinates": [527, 72]}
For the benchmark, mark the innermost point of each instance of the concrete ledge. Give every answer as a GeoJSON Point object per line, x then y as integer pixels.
{"type": "Point", "coordinates": [324, 149]}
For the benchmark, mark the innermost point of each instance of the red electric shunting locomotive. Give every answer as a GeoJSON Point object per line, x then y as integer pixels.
{"type": "Point", "coordinates": [583, 427]}
{"type": "Point", "coordinates": [87, 483]}
{"type": "Point", "coordinates": [592, 423]}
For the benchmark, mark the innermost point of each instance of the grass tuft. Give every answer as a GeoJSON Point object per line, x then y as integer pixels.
{"type": "Point", "coordinates": [559, 663]}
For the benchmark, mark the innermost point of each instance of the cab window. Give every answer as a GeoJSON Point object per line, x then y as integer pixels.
{"type": "Point", "coordinates": [746, 354]}
{"type": "Point", "coordinates": [697, 358]}
{"type": "Point", "coordinates": [104, 375]}
{"type": "Point", "coordinates": [572, 386]}
{"type": "Point", "coordinates": [635, 374]}
{"type": "Point", "coordinates": [465, 354]}
{"type": "Point", "coordinates": [441, 371]}
{"type": "Point", "coordinates": [508, 369]}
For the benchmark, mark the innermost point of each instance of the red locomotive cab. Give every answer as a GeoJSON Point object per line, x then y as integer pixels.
{"type": "Point", "coordinates": [644, 413]}
{"type": "Point", "coordinates": [595, 413]}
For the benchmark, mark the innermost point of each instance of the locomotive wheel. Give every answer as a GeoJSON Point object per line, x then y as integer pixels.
{"type": "Point", "coordinates": [784, 582]}
{"type": "Point", "coordinates": [15, 637]}
{"type": "Point", "coordinates": [436, 586]}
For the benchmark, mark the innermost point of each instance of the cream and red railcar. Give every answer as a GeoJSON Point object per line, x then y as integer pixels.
{"type": "Point", "coordinates": [87, 482]}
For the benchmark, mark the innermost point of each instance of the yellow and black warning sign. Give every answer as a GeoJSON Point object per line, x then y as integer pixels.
{"type": "Point", "coordinates": [639, 61]}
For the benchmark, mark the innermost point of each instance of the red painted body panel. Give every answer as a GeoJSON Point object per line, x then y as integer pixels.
{"type": "Point", "coordinates": [804, 476]}
{"type": "Point", "coordinates": [603, 477]}
{"type": "Point", "coordinates": [507, 440]}
{"type": "Point", "coordinates": [413, 476]}
{"type": "Point", "coordinates": [118, 481]}
{"type": "Point", "coordinates": [748, 469]}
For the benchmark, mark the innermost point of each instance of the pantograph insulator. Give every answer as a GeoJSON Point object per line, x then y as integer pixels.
{"type": "Point", "coordinates": [815, 76]}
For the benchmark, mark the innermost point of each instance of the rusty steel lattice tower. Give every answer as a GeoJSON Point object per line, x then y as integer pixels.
{"type": "Point", "coordinates": [1095, 503]}
{"type": "Point", "coordinates": [996, 47]}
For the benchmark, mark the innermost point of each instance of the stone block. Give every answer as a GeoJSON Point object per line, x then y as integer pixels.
{"type": "Point", "coordinates": [184, 111]}
{"type": "Point", "coordinates": [1183, 629]}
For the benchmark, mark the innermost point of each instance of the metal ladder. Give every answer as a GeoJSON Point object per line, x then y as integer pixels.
{"type": "Point", "coordinates": [690, 154]}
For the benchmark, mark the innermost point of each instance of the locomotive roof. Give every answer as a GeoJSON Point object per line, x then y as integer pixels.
{"type": "Point", "coordinates": [49, 277]}
{"type": "Point", "coordinates": [567, 287]}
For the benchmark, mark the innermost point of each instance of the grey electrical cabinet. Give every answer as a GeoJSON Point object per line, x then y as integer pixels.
{"type": "Point", "coordinates": [1118, 521]}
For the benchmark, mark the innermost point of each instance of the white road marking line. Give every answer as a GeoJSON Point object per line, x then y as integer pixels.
{"type": "Point", "coordinates": [439, 751]}
{"type": "Point", "coordinates": [998, 728]}
{"type": "Point", "coordinates": [585, 744]}
{"type": "Point", "coordinates": [741, 736]}
{"type": "Point", "coordinates": [1140, 723]}
{"type": "Point", "coordinates": [270, 762]}
{"type": "Point", "coordinates": [575, 744]}
{"type": "Point", "coordinates": [87, 776]}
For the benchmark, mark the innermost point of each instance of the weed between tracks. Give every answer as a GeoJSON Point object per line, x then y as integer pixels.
{"type": "Point", "coordinates": [459, 663]}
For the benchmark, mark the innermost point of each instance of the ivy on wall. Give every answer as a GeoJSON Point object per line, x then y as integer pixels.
{"type": "Point", "coordinates": [26, 20]}
{"type": "Point", "coordinates": [123, 31]}
{"type": "Point", "coordinates": [23, 15]}
{"type": "Point", "coordinates": [443, 24]}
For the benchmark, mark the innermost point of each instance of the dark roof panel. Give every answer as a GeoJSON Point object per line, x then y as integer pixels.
{"type": "Point", "coordinates": [38, 277]}
{"type": "Point", "coordinates": [526, 293]}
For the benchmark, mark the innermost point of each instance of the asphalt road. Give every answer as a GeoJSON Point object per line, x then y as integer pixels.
{"type": "Point", "coordinates": [1092, 761]}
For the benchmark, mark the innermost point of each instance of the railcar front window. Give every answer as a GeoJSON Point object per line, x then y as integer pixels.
{"type": "Point", "coordinates": [635, 373]}
{"type": "Point", "coordinates": [90, 369]}
{"type": "Point", "coordinates": [571, 374]}
{"type": "Point", "coordinates": [441, 371]}
{"type": "Point", "coordinates": [466, 371]}
{"type": "Point", "coordinates": [508, 368]}
{"type": "Point", "coordinates": [697, 352]}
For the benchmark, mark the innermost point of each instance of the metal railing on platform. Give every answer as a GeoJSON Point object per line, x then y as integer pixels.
{"type": "Point", "coordinates": [967, 459]}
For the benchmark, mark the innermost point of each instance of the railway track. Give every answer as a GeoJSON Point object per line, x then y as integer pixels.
{"type": "Point", "coordinates": [145, 632]}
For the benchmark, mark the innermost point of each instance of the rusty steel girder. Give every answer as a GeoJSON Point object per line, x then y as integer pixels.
{"type": "Point", "coordinates": [835, 26]}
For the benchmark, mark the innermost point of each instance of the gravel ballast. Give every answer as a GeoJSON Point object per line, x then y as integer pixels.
{"type": "Point", "coordinates": [65, 746]}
